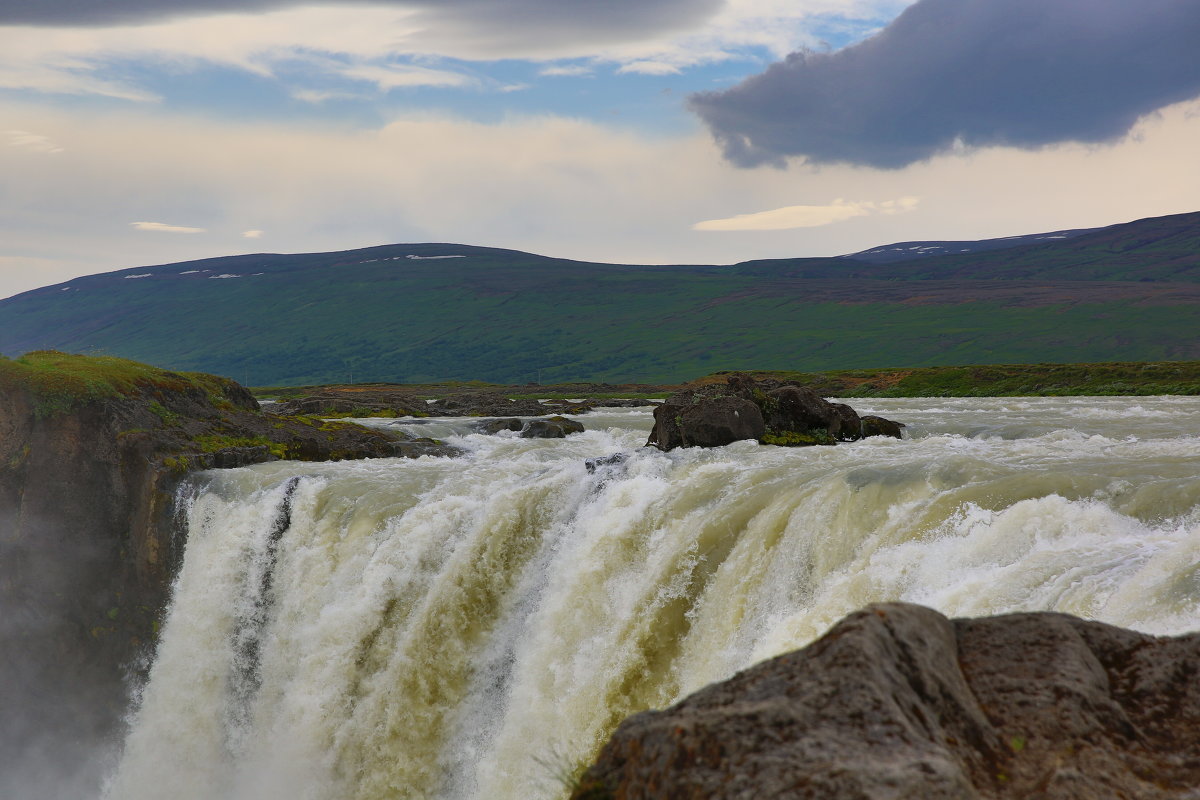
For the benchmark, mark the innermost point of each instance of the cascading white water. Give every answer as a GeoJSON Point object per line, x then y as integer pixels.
{"type": "Point", "coordinates": [476, 627]}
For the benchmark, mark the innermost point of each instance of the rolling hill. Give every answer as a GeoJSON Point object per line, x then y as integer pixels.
{"type": "Point", "coordinates": [426, 312]}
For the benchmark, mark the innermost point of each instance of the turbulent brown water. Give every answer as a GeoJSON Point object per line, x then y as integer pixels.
{"type": "Point", "coordinates": [474, 628]}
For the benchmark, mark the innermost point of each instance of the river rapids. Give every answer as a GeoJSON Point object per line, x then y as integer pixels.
{"type": "Point", "coordinates": [476, 627]}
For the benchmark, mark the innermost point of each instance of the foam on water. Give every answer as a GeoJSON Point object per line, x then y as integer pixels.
{"type": "Point", "coordinates": [469, 628]}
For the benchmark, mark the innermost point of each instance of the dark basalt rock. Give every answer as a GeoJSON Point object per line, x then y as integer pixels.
{"type": "Point", "coordinates": [424, 446]}
{"type": "Point", "coordinates": [605, 462]}
{"type": "Point", "coordinates": [849, 426]}
{"type": "Point", "coordinates": [483, 404]}
{"type": "Point", "coordinates": [719, 421]}
{"type": "Point", "coordinates": [796, 408]}
{"type": "Point", "coordinates": [567, 407]}
{"type": "Point", "coordinates": [365, 403]}
{"type": "Point", "coordinates": [314, 406]}
{"type": "Point", "coordinates": [897, 701]}
{"type": "Point", "coordinates": [550, 428]}
{"type": "Point", "coordinates": [710, 416]}
{"type": "Point", "coordinates": [231, 457]}
{"type": "Point", "coordinates": [878, 426]}
{"type": "Point", "coordinates": [494, 426]}
{"type": "Point", "coordinates": [784, 414]}
{"type": "Point", "coordinates": [555, 427]}
{"type": "Point", "coordinates": [632, 402]}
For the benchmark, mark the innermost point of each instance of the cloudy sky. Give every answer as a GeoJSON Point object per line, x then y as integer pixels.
{"type": "Point", "coordinates": [136, 132]}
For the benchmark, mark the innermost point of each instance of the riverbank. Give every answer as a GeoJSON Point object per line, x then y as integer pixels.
{"type": "Point", "coordinates": [1135, 378]}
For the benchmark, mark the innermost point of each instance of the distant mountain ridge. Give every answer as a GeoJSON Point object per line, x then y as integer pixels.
{"type": "Point", "coordinates": [1157, 248]}
{"type": "Point", "coordinates": [906, 251]}
{"type": "Point", "coordinates": [441, 311]}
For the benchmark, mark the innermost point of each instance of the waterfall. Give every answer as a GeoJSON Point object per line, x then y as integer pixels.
{"type": "Point", "coordinates": [476, 627]}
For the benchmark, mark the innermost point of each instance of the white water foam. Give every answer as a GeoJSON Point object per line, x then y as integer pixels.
{"type": "Point", "coordinates": [467, 628]}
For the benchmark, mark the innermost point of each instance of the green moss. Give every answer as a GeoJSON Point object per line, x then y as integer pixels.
{"type": "Point", "coordinates": [19, 457]}
{"type": "Point", "coordinates": [60, 382]}
{"type": "Point", "coordinates": [592, 789]}
{"type": "Point", "coordinates": [332, 426]}
{"type": "Point", "coordinates": [765, 402]}
{"type": "Point", "coordinates": [168, 416]}
{"type": "Point", "coordinates": [178, 465]}
{"type": "Point", "coordinates": [817, 436]}
{"type": "Point", "coordinates": [212, 442]}
{"type": "Point", "coordinates": [362, 412]}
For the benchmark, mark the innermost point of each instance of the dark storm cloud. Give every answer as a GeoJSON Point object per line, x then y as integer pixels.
{"type": "Point", "coordinates": [541, 17]}
{"type": "Point", "coordinates": [1025, 73]}
{"type": "Point", "coordinates": [534, 23]}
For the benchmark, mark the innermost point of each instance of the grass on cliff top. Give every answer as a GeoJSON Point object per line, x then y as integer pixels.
{"type": "Point", "coordinates": [1004, 380]}
{"type": "Point", "coordinates": [60, 382]}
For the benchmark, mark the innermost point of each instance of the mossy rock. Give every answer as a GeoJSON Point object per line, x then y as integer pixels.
{"type": "Point", "coordinates": [818, 436]}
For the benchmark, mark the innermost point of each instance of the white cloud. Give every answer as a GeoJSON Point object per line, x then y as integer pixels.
{"type": "Point", "coordinates": [69, 60]}
{"type": "Point", "coordinates": [316, 96]}
{"type": "Point", "coordinates": [366, 40]}
{"type": "Point", "coordinates": [788, 217]}
{"type": "Point", "coordinates": [514, 87]}
{"type": "Point", "coordinates": [900, 205]}
{"type": "Point", "coordinates": [63, 76]}
{"type": "Point", "coordinates": [396, 76]}
{"type": "Point", "coordinates": [647, 67]}
{"type": "Point", "coordinates": [34, 142]}
{"type": "Point", "coordinates": [566, 71]}
{"type": "Point", "coordinates": [162, 227]}
{"type": "Point", "coordinates": [254, 234]}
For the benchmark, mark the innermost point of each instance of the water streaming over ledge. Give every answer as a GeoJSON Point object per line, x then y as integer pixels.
{"type": "Point", "coordinates": [473, 628]}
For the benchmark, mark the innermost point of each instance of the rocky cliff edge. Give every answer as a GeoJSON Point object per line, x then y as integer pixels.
{"type": "Point", "coordinates": [91, 451]}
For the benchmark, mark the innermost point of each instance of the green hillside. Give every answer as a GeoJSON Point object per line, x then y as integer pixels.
{"type": "Point", "coordinates": [427, 312]}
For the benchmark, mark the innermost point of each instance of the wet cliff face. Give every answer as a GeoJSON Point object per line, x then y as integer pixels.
{"type": "Point", "coordinates": [84, 560]}
{"type": "Point", "coordinates": [88, 467]}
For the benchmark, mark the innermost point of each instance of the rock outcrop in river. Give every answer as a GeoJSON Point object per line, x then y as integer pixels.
{"type": "Point", "coordinates": [771, 412]}
{"type": "Point", "coordinates": [897, 701]}
{"type": "Point", "coordinates": [91, 450]}
{"type": "Point", "coordinates": [555, 427]}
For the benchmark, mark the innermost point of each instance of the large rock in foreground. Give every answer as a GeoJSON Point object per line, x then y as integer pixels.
{"type": "Point", "coordinates": [770, 412]}
{"type": "Point", "coordinates": [897, 701]}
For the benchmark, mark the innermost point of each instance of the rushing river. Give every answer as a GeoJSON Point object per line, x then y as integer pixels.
{"type": "Point", "coordinates": [476, 627]}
